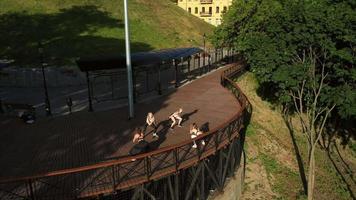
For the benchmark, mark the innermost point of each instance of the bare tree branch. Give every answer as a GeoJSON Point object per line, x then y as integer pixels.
{"type": "Point", "coordinates": [321, 127]}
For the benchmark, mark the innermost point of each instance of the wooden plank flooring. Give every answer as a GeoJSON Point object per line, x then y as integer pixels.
{"type": "Point", "coordinates": [86, 138]}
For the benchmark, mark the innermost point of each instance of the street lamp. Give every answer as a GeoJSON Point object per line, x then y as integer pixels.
{"type": "Point", "coordinates": [128, 61]}
{"type": "Point", "coordinates": [47, 103]}
{"type": "Point", "coordinates": [204, 36]}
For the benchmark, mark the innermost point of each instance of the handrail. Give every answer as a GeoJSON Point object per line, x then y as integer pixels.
{"type": "Point", "coordinates": [226, 81]}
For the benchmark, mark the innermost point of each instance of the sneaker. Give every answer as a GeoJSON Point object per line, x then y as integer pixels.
{"type": "Point", "coordinates": [180, 126]}
{"type": "Point", "coordinates": [155, 135]}
{"type": "Point", "coordinates": [194, 146]}
{"type": "Point", "coordinates": [202, 142]}
{"type": "Point", "coordinates": [171, 129]}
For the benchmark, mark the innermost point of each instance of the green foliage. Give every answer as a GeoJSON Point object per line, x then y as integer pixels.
{"type": "Point", "coordinates": [250, 131]}
{"type": "Point", "coordinates": [70, 29]}
{"type": "Point", "coordinates": [352, 146]}
{"type": "Point", "coordinates": [276, 38]}
{"type": "Point", "coordinates": [280, 176]}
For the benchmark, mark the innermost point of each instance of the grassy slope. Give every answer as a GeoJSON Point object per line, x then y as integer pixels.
{"type": "Point", "coordinates": [272, 170]}
{"type": "Point", "coordinates": [73, 28]}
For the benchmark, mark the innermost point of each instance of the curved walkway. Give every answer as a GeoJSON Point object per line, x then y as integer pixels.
{"type": "Point", "coordinates": [87, 138]}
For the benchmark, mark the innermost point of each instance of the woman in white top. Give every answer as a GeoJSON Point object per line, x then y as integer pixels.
{"type": "Point", "coordinates": [176, 116]}
{"type": "Point", "coordinates": [150, 121]}
{"type": "Point", "coordinates": [194, 132]}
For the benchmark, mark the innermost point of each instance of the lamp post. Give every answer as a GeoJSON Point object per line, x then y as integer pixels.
{"type": "Point", "coordinates": [47, 102]}
{"type": "Point", "coordinates": [204, 36]}
{"type": "Point", "coordinates": [128, 61]}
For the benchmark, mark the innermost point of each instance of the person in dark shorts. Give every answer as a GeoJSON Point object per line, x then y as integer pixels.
{"type": "Point", "coordinates": [140, 144]}
{"type": "Point", "coordinates": [195, 132]}
{"type": "Point", "coordinates": [150, 121]}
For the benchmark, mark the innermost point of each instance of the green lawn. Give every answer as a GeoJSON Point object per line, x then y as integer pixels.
{"type": "Point", "coordinates": [73, 28]}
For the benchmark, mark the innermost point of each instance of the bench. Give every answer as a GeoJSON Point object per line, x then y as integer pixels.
{"type": "Point", "coordinates": [16, 109]}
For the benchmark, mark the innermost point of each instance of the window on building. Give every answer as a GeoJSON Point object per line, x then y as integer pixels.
{"type": "Point", "coordinates": [225, 8]}
{"type": "Point", "coordinates": [210, 10]}
{"type": "Point", "coordinates": [190, 10]}
{"type": "Point", "coordinates": [217, 9]}
{"type": "Point", "coordinates": [203, 9]}
{"type": "Point", "coordinates": [196, 10]}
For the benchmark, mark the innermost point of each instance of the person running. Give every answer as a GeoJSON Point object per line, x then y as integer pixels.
{"type": "Point", "coordinates": [150, 121]}
{"type": "Point", "coordinates": [176, 116]}
{"type": "Point", "coordinates": [194, 132]}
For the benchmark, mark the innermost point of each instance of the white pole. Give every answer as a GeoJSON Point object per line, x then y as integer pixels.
{"type": "Point", "coordinates": [128, 61]}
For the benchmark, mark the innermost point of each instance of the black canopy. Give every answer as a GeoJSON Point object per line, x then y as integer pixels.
{"type": "Point", "coordinates": [137, 59]}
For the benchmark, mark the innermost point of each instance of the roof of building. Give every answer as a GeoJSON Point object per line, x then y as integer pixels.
{"type": "Point", "coordinates": [137, 59]}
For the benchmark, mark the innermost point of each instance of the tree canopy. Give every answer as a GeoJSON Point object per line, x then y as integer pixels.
{"type": "Point", "coordinates": [276, 37]}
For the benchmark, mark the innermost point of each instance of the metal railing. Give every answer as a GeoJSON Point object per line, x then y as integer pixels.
{"type": "Point", "coordinates": [110, 176]}
{"type": "Point", "coordinates": [206, 1]}
{"type": "Point", "coordinates": [205, 14]}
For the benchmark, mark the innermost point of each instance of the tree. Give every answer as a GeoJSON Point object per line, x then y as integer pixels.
{"type": "Point", "coordinates": [305, 96]}
{"type": "Point", "coordinates": [303, 55]}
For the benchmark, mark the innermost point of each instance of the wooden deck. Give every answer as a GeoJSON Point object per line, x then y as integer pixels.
{"type": "Point", "coordinates": [86, 138]}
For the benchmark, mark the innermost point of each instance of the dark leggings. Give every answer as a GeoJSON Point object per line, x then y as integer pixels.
{"type": "Point", "coordinates": [152, 125]}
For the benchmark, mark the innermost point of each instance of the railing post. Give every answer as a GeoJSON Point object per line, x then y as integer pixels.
{"type": "Point", "coordinates": [199, 68]}
{"type": "Point", "coordinates": [159, 88]}
{"type": "Point", "coordinates": [176, 158]}
{"type": "Point", "coordinates": [204, 58]}
{"type": "Point", "coordinates": [209, 61]}
{"type": "Point", "coordinates": [148, 167]}
{"type": "Point", "coordinates": [175, 62]}
{"type": "Point", "coordinates": [113, 178]}
{"type": "Point", "coordinates": [230, 129]}
{"type": "Point", "coordinates": [194, 63]}
{"type": "Point", "coordinates": [176, 186]}
{"type": "Point", "coordinates": [217, 140]}
{"type": "Point", "coordinates": [182, 67]}
{"type": "Point", "coordinates": [89, 93]}
{"type": "Point", "coordinates": [189, 59]}
{"type": "Point", "coordinates": [202, 183]}
{"type": "Point", "coordinates": [32, 194]}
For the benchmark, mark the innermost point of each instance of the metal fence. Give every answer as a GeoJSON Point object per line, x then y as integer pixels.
{"type": "Point", "coordinates": [174, 172]}
{"type": "Point", "coordinates": [107, 85]}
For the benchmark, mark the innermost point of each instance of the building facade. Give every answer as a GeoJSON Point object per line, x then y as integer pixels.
{"type": "Point", "coordinates": [209, 10]}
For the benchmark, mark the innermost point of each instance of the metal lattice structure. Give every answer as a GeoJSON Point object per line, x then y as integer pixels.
{"type": "Point", "coordinates": [173, 172]}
